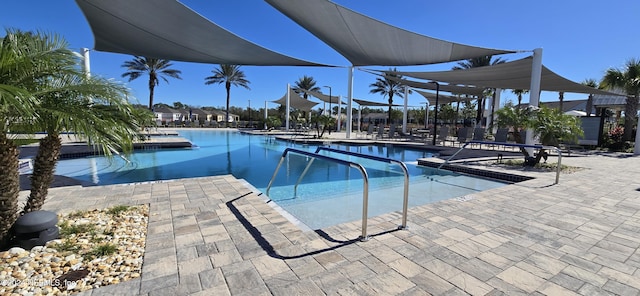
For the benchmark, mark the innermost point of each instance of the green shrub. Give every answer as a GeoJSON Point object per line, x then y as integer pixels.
{"type": "Point", "coordinates": [66, 229]}
{"type": "Point", "coordinates": [66, 246]}
{"type": "Point", "coordinates": [117, 210]}
{"type": "Point", "coordinates": [103, 250]}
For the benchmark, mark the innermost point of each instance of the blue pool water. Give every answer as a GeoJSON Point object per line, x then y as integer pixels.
{"type": "Point", "coordinates": [329, 193]}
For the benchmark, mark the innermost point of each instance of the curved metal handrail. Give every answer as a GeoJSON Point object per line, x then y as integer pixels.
{"type": "Point", "coordinates": [365, 177]}
{"type": "Point", "coordinates": [405, 205]}
{"type": "Point", "coordinates": [512, 145]}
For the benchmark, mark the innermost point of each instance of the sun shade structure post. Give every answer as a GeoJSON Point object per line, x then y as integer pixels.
{"type": "Point", "coordinates": [330, 99]}
{"type": "Point", "coordinates": [359, 118]}
{"type": "Point", "coordinates": [86, 64]}
{"type": "Point", "coordinates": [435, 116]}
{"type": "Point", "coordinates": [426, 114]}
{"type": "Point", "coordinates": [339, 115]}
{"type": "Point", "coordinates": [636, 148]}
{"type": "Point", "coordinates": [287, 105]}
{"type": "Point", "coordinates": [349, 103]}
{"type": "Point", "coordinates": [534, 90]}
{"type": "Point", "coordinates": [265, 115]}
{"type": "Point", "coordinates": [404, 112]}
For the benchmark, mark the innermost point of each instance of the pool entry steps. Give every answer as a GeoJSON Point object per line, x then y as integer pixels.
{"type": "Point", "coordinates": [363, 171]}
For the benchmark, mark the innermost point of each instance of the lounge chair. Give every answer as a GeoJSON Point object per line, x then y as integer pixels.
{"type": "Point", "coordinates": [478, 135]}
{"type": "Point", "coordinates": [369, 131]}
{"type": "Point", "coordinates": [406, 136]}
{"type": "Point", "coordinates": [380, 132]}
{"type": "Point", "coordinates": [464, 135]}
{"type": "Point", "coordinates": [392, 132]}
{"type": "Point", "coordinates": [501, 136]}
{"type": "Point", "coordinates": [443, 134]}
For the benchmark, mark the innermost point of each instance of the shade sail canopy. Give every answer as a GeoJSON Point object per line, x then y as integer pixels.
{"type": "Point", "coordinates": [373, 104]}
{"type": "Point", "coordinates": [509, 75]}
{"type": "Point", "coordinates": [325, 98]}
{"type": "Point", "coordinates": [454, 89]}
{"type": "Point", "coordinates": [365, 41]}
{"type": "Point", "coordinates": [295, 101]}
{"type": "Point", "coordinates": [167, 29]}
{"type": "Point", "coordinates": [442, 99]}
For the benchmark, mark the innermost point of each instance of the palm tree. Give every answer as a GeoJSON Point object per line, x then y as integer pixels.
{"type": "Point", "coordinates": [561, 99]}
{"type": "Point", "coordinates": [476, 63]}
{"type": "Point", "coordinates": [93, 107]}
{"type": "Point", "coordinates": [229, 75]}
{"type": "Point", "coordinates": [388, 87]}
{"type": "Point", "coordinates": [156, 68]}
{"type": "Point", "coordinates": [304, 84]}
{"type": "Point", "coordinates": [26, 59]}
{"type": "Point", "coordinates": [591, 83]}
{"type": "Point", "coordinates": [627, 79]}
{"type": "Point", "coordinates": [519, 93]}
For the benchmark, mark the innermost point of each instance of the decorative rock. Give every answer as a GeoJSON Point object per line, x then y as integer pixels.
{"type": "Point", "coordinates": [37, 249]}
{"type": "Point", "coordinates": [33, 271]}
{"type": "Point", "coordinates": [16, 251]}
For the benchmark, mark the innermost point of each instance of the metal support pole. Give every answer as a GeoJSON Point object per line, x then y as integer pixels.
{"type": "Point", "coordinates": [287, 112]}
{"type": "Point", "coordinates": [435, 118]}
{"type": "Point", "coordinates": [534, 90]}
{"type": "Point", "coordinates": [349, 103]}
{"type": "Point", "coordinates": [426, 115]}
{"type": "Point", "coordinates": [404, 112]}
{"type": "Point", "coordinates": [265, 115]}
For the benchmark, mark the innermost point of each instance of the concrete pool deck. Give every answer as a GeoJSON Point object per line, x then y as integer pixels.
{"type": "Point", "coordinates": [215, 236]}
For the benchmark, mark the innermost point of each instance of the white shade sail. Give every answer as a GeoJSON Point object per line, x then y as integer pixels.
{"type": "Point", "coordinates": [454, 89]}
{"type": "Point", "coordinates": [365, 41]}
{"type": "Point", "coordinates": [509, 75]}
{"type": "Point", "coordinates": [373, 104]}
{"type": "Point", "coordinates": [442, 99]}
{"type": "Point", "coordinates": [325, 98]}
{"type": "Point", "coordinates": [296, 101]}
{"type": "Point", "coordinates": [167, 29]}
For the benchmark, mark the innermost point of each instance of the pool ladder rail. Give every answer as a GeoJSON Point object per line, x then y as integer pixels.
{"type": "Point", "coordinates": [363, 171]}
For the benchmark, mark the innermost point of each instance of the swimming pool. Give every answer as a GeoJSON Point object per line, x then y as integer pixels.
{"type": "Point", "coordinates": [326, 187]}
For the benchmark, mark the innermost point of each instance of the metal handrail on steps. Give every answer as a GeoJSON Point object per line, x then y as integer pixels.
{"type": "Point", "coordinates": [405, 204]}
{"type": "Point", "coordinates": [365, 176]}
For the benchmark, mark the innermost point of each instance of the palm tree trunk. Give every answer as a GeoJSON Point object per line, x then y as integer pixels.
{"type": "Point", "coordinates": [226, 119]}
{"type": "Point", "coordinates": [589, 105]}
{"type": "Point", "coordinates": [390, 103]}
{"type": "Point", "coordinates": [630, 117]}
{"type": "Point", "coordinates": [151, 87]}
{"type": "Point", "coordinates": [561, 99]}
{"type": "Point", "coordinates": [9, 187]}
{"type": "Point", "coordinates": [480, 110]}
{"type": "Point", "coordinates": [519, 140]}
{"type": "Point", "coordinates": [493, 110]}
{"type": "Point", "coordinates": [43, 167]}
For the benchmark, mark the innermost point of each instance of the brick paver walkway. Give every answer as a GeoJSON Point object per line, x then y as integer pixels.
{"type": "Point", "coordinates": [214, 236]}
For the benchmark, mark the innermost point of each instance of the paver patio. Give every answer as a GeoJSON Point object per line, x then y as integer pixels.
{"type": "Point", "coordinates": [215, 236]}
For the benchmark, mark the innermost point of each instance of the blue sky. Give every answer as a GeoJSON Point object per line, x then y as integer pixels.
{"type": "Point", "coordinates": [580, 39]}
